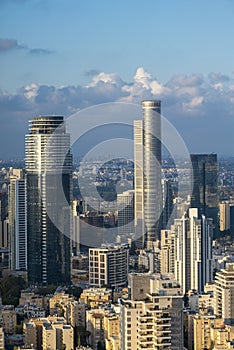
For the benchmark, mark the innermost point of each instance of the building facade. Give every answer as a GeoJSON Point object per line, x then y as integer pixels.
{"type": "Point", "coordinates": [224, 294]}
{"type": "Point", "coordinates": [152, 169]}
{"type": "Point", "coordinates": [186, 251]}
{"type": "Point", "coordinates": [17, 221]}
{"type": "Point", "coordinates": [155, 321]}
{"type": "Point", "coordinates": [48, 167]}
{"type": "Point", "coordinates": [205, 186]}
{"type": "Point", "coordinates": [108, 266]}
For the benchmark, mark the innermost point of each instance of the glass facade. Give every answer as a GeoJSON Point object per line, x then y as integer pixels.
{"type": "Point", "coordinates": [205, 186]}
{"type": "Point", "coordinates": [152, 169]}
{"type": "Point", "coordinates": [48, 182]}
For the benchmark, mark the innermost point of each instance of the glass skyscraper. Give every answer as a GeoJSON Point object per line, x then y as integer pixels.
{"type": "Point", "coordinates": [205, 186]}
{"type": "Point", "coordinates": [152, 169]}
{"type": "Point", "coordinates": [48, 165]}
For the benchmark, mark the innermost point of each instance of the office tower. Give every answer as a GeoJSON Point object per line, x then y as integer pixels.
{"type": "Point", "coordinates": [153, 321]}
{"type": "Point", "coordinates": [48, 167]}
{"type": "Point", "coordinates": [4, 239]}
{"type": "Point", "coordinates": [224, 294]}
{"type": "Point", "coordinates": [152, 169]}
{"type": "Point", "coordinates": [224, 216]}
{"type": "Point", "coordinates": [205, 186]}
{"type": "Point", "coordinates": [108, 265]}
{"type": "Point", "coordinates": [125, 207]}
{"type": "Point", "coordinates": [17, 221]}
{"type": "Point", "coordinates": [76, 228]}
{"type": "Point", "coordinates": [4, 234]}
{"type": "Point", "coordinates": [138, 179]}
{"type": "Point", "coordinates": [167, 201]}
{"type": "Point", "coordinates": [187, 251]}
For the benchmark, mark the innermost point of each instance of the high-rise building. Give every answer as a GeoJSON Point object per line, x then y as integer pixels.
{"type": "Point", "coordinates": [224, 294]}
{"type": "Point", "coordinates": [186, 251]}
{"type": "Point", "coordinates": [205, 186]}
{"type": "Point", "coordinates": [48, 167]}
{"type": "Point", "coordinates": [138, 178]}
{"type": "Point", "coordinates": [167, 201]}
{"type": "Point", "coordinates": [147, 173]}
{"type": "Point", "coordinates": [108, 265]}
{"type": "Point", "coordinates": [17, 221]}
{"type": "Point", "coordinates": [125, 207]}
{"type": "Point", "coordinates": [152, 169]}
{"type": "Point", "coordinates": [224, 216]}
{"type": "Point", "coordinates": [4, 237]}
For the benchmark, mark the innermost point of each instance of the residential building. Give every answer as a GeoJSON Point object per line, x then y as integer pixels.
{"type": "Point", "coordinates": [187, 251]}
{"type": "Point", "coordinates": [155, 321]}
{"type": "Point", "coordinates": [17, 221]}
{"type": "Point", "coordinates": [224, 294]}
{"type": "Point", "coordinates": [108, 266]}
{"type": "Point", "coordinates": [224, 216]}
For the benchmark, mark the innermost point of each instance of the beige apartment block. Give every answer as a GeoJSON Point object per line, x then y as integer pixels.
{"type": "Point", "coordinates": [77, 313]}
{"type": "Point", "coordinates": [95, 297]}
{"type": "Point", "coordinates": [48, 336]}
{"type": "Point", "coordinates": [224, 294]}
{"type": "Point", "coordinates": [223, 337]}
{"type": "Point", "coordinates": [8, 319]}
{"type": "Point", "coordinates": [155, 322]}
{"type": "Point", "coordinates": [49, 333]}
{"type": "Point", "coordinates": [94, 325]}
{"type": "Point", "coordinates": [202, 330]}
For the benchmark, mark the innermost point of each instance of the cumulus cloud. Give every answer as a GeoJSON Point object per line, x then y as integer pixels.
{"type": "Point", "coordinates": [202, 108]}
{"type": "Point", "coordinates": [144, 86]}
{"type": "Point", "coordinates": [10, 44]}
{"type": "Point", "coordinates": [218, 78]}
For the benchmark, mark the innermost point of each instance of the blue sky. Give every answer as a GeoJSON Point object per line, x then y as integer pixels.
{"type": "Point", "coordinates": [57, 56]}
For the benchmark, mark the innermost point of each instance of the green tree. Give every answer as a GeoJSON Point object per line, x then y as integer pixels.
{"type": "Point", "coordinates": [10, 287]}
{"type": "Point", "coordinates": [80, 335]}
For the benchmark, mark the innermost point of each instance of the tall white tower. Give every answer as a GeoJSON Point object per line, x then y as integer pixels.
{"type": "Point", "coordinates": [17, 221]}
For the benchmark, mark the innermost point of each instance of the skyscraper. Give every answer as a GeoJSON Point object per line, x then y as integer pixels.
{"type": "Point", "coordinates": [138, 173]}
{"type": "Point", "coordinates": [205, 186]}
{"type": "Point", "coordinates": [152, 169]}
{"type": "Point", "coordinates": [187, 251]}
{"type": "Point", "coordinates": [125, 207]}
{"type": "Point", "coordinates": [17, 221]}
{"type": "Point", "coordinates": [48, 164]}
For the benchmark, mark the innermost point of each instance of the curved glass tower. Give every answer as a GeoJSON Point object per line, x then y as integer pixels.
{"type": "Point", "coordinates": [152, 169]}
{"type": "Point", "coordinates": [48, 163]}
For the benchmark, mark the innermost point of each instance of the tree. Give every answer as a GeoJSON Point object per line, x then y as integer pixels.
{"type": "Point", "coordinates": [80, 335]}
{"type": "Point", "coordinates": [10, 288]}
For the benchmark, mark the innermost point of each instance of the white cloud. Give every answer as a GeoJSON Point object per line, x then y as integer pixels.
{"type": "Point", "coordinates": [105, 78]}
{"type": "Point", "coordinates": [31, 90]}
{"type": "Point", "coordinates": [205, 100]}
{"type": "Point", "coordinates": [195, 102]}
